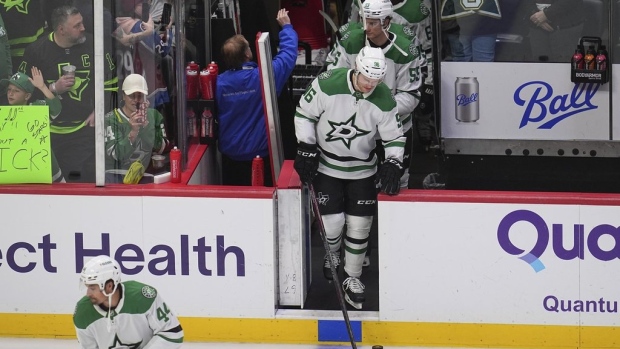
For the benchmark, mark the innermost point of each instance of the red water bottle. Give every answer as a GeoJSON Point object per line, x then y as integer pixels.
{"type": "Point", "coordinates": [258, 175]}
{"type": "Point", "coordinates": [206, 84]}
{"type": "Point", "coordinates": [175, 165]}
{"type": "Point", "coordinates": [191, 122]}
{"type": "Point", "coordinates": [206, 122]}
{"type": "Point", "coordinates": [213, 70]}
{"type": "Point", "coordinates": [191, 80]}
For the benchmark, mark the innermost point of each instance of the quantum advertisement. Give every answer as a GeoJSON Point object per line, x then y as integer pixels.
{"type": "Point", "coordinates": [192, 250]}
{"type": "Point", "coordinates": [521, 101]}
{"type": "Point", "coordinates": [500, 263]}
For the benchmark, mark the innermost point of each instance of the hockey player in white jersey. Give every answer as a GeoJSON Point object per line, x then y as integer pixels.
{"type": "Point", "coordinates": [405, 61]}
{"type": "Point", "coordinates": [339, 117]}
{"type": "Point", "coordinates": [116, 314]}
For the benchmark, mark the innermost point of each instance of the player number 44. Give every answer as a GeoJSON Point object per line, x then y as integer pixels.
{"type": "Point", "coordinates": [162, 312]}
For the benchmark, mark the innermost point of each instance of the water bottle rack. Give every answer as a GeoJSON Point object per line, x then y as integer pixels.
{"type": "Point", "coordinates": [589, 75]}
{"type": "Point", "coordinates": [198, 106]}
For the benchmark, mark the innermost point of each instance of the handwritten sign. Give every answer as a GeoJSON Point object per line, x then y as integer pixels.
{"type": "Point", "coordinates": [25, 154]}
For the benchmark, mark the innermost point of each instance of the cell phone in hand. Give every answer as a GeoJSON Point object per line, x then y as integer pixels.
{"type": "Point", "coordinates": [146, 11]}
{"type": "Point", "coordinates": [165, 16]}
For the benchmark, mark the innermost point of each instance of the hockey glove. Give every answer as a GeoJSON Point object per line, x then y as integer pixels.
{"type": "Point", "coordinates": [426, 105]}
{"type": "Point", "coordinates": [306, 162]}
{"type": "Point", "coordinates": [388, 177]}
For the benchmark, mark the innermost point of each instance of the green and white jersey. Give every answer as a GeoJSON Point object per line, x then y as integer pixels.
{"type": "Point", "coordinates": [395, 28]}
{"type": "Point", "coordinates": [120, 152]}
{"type": "Point", "coordinates": [141, 320]}
{"type": "Point", "coordinates": [344, 123]}
{"type": "Point", "coordinates": [416, 15]}
{"type": "Point", "coordinates": [404, 66]}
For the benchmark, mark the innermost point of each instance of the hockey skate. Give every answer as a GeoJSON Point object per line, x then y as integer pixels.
{"type": "Point", "coordinates": [354, 292]}
{"type": "Point", "coordinates": [327, 272]}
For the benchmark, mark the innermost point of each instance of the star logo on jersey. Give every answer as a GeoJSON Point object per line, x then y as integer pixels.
{"type": "Point", "coordinates": [414, 50]}
{"type": "Point", "coordinates": [120, 345]}
{"type": "Point", "coordinates": [149, 292]}
{"type": "Point", "coordinates": [82, 79]}
{"type": "Point", "coordinates": [322, 199]}
{"type": "Point", "coordinates": [325, 75]}
{"type": "Point", "coordinates": [424, 10]}
{"type": "Point", "coordinates": [345, 131]}
{"type": "Point", "coordinates": [408, 31]}
{"type": "Point", "coordinates": [19, 5]}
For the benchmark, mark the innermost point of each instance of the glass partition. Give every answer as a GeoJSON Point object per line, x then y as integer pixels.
{"type": "Point", "coordinates": [140, 125]}
{"type": "Point", "coordinates": [135, 94]}
{"type": "Point", "coordinates": [518, 30]}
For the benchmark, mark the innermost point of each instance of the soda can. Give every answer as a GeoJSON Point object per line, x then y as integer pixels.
{"type": "Point", "coordinates": [467, 101]}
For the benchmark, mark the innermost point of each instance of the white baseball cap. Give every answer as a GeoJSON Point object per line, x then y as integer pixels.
{"type": "Point", "coordinates": [135, 83]}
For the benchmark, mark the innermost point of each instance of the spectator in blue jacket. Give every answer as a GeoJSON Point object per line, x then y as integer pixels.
{"type": "Point", "coordinates": [241, 117]}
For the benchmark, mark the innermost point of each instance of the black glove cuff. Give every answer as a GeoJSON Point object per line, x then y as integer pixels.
{"type": "Point", "coordinates": [396, 163]}
{"type": "Point", "coordinates": [307, 150]}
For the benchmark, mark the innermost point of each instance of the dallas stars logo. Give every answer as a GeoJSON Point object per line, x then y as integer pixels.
{"type": "Point", "coordinates": [120, 345]}
{"type": "Point", "coordinates": [19, 5]}
{"type": "Point", "coordinates": [149, 292]}
{"type": "Point", "coordinates": [345, 131]}
{"type": "Point", "coordinates": [322, 199]}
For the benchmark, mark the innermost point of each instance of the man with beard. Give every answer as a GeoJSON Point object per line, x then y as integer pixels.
{"type": "Point", "coordinates": [116, 314]}
{"type": "Point", "coordinates": [72, 132]}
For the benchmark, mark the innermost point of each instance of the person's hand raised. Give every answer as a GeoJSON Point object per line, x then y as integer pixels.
{"type": "Point", "coordinates": [283, 17]}
{"type": "Point", "coordinates": [37, 78]}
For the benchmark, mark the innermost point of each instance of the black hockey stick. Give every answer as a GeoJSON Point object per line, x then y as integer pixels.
{"type": "Point", "coordinates": [317, 215]}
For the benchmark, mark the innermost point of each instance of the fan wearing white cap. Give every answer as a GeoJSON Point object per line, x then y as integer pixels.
{"type": "Point", "coordinates": [337, 121]}
{"type": "Point", "coordinates": [125, 314]}
{"type": "Point", "coordinates": [134, 131]}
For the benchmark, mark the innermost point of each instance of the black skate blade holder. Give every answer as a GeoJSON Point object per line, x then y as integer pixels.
{"type": "Point", "coordinates": [594, 76]}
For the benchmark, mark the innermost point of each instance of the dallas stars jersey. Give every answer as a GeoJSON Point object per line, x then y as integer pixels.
{"type": "Point", "coordinates": [344, 124]}
{"type": "Point", "coordinates": [395, 28]}
{"type": "Point", "coordinates": [79, 102]}
{"type": "Point", "coordinates": [120, 152]}
{"type": "Point", "coordinates": [141, 318]}
{"type": "Point", "coordinates": [404, 67]}
{"type": "Point", "coordinates": [416, 14]}
{"type": "Point", "coordinates": [25, 23]}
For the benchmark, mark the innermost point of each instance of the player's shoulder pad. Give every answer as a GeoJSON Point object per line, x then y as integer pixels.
{"type": "Point", "coordinates": [138, 297]}
{"type": "Point", "coordinates": [334, 81]}
{"type": "Point", "coordinates": [347, 27]}
{"type": "Point", "coordinates": [411, 47]}
{"type": "Point", "coordinates": [402, 30]}
{"type": "Point", "coordinates": [84, 313]}
{"type": "Point", "coordinates": [382, 98]}
{"type": "Point", "coordinates": [353, 41]}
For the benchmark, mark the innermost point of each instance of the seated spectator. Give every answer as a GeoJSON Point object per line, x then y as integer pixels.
{"type": "Point", "coordinates": [19, 90]}
{"type": "Point", "coordinates": [133, 133]}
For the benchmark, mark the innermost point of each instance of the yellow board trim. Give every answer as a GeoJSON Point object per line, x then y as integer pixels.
{"type": "Point", "coordinates": [305, 331]}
